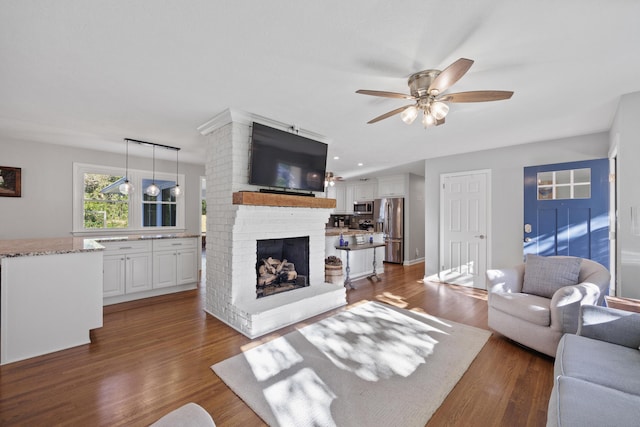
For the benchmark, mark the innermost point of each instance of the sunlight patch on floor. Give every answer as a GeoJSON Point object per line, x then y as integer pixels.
{"type": "Point", "coordinates": [374, 342]}
{"type": "Point", "coordinates": [299, 398]}
{"type": "Point", "coordinates": [271, 358]}
{"type": "Point", "coordinates": [392, 299]}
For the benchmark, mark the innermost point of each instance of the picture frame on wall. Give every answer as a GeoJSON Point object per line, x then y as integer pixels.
{"type": "Point", "coordinates": [10, 181]}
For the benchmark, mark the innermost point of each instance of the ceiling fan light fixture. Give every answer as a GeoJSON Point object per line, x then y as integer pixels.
{"type": "Point", "coordinates": [409, 115]}
{"type": "Point", "coordinates": [439, 110]}
{"type": "Point", "coordinates": [428, 120]}
{"type": "Point", "coordinates": [329, 179]}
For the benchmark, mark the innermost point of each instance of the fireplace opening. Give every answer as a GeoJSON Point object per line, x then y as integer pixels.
{"type": "Point", "coordinates": [282, 265]}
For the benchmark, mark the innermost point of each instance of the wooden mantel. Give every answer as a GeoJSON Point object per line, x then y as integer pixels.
{"type": "Point", "coordinates": [282, 200]}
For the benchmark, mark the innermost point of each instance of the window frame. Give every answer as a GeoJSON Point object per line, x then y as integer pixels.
{"type": "Point", "coordinates": [135, 220]}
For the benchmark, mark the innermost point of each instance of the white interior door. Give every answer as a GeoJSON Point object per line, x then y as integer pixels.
{"type": "Point", "coordinates": [463, 228]}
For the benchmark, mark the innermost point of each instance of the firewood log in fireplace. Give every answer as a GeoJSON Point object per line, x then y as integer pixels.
{"type": "Point", "coordinates": [274, 272]}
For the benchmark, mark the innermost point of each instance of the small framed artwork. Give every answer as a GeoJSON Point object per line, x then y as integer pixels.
{"type": "Point", "coordinates": [10, 181]}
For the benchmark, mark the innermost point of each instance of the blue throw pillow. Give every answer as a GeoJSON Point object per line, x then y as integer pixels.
{"type": "Point", "coordinates": [544, 276]}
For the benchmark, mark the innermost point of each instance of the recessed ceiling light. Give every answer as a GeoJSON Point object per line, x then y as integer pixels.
{"type": "Point", "coordinates": [336, 157]}
{"type": "Point", "coordinates": [360, 164]}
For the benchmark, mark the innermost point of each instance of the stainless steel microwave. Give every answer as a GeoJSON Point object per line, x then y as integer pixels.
{"type": "Point", "coordinates": [363, 207]}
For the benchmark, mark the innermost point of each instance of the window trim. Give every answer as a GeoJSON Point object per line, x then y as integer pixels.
{"type": "Point", "coordinates": [135, 200]}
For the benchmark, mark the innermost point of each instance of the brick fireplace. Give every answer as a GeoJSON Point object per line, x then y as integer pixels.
{"type": "Point", "coordinates": [237, 218]}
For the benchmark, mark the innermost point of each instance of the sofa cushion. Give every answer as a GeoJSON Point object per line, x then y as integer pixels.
{"type": "Point", "coordinates": [532, 308]}
{"type": "Point", "coordinates": [584, 404]}
{"type": "Point", "coordinates": [599, 362]}
{"type": "Point", "coordinates": [612, 325]}
{"type": "Point", "coordinates": [545, 275]}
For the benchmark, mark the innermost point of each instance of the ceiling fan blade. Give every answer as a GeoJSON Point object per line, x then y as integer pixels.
{"type": "Point", "coordinates": [449, 76]}
{"type": "Point", "coordinates": [440, 122]}
{"type": "Point", "coordinates": [389, 114]}
{"type": "Point", "coordinates": [477, 96]}
{"type": "Point", "coordinates": [384, 94]}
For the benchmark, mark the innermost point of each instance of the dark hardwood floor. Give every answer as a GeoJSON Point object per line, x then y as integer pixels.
{"type": "Point", "coordinates": [154, 355]}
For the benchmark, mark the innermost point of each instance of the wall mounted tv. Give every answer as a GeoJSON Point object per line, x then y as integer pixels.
{"type": "Point", "coordinates": [286, 160]}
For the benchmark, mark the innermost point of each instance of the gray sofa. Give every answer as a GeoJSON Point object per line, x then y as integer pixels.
{"type": "Point", "coordinates": [597, 372]}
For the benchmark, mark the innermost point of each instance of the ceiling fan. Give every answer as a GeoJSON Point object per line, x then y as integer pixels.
{"type": "Point", "coordinates": [427, 90]}
{"type": "Point", "coordinates": [330, 179]}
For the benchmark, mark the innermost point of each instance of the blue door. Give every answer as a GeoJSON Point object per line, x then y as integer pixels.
{"type": "Point", "coordinates": [566, 210]}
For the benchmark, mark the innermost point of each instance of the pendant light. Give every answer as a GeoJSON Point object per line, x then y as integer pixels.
{"type": "Point", "coordinates": [126, 187]}
{"type": "Point", "coordinates": [153, 189]}
{"type": "Point", "coordinates": [176, 191]}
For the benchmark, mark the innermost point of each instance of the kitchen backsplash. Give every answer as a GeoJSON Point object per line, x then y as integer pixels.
{"type": "Point", "coordinates": [349, 221]}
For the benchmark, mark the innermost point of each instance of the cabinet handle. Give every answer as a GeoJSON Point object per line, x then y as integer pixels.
{"type": "Point", "coordinates": [176, 244]}
{"type": "Point", "coordinates": [125, 247]}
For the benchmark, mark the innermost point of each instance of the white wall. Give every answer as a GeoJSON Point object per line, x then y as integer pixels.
{"type": "Point", "coordinates": [414, 236]}
{"type": "Point", "coordinates": [45, 208]}
{"type": "Point", "coordinates": [625, 131]}
{"type": "Point", "coordinates": [507, 190]}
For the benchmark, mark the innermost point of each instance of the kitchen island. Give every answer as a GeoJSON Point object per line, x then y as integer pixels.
{"type": "Point", "coordinates": [360, 261]}
{"type": "Point", "coordinates": [50, 295]}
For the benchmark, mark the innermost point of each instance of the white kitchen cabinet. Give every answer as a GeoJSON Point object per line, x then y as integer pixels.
{"type": "Point", "coordinates": [344, 194]}
{"type": "Point", "coordinates": [175, 262]}
{"type": "Point", "coordinates": [392, 186]}
{"type": "Point", "coordinates": [113, 275]}
{"type": "Point", "coordinates": [126, 267]}
{"type": "Point", "coordinates": [339, 191]}
{"type": "Point", "coordinates": [365, 191]}
{"type": "Point", "coordinates": [349, 198]}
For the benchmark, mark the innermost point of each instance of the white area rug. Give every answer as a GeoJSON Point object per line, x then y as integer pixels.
{"type": "Point", "coordinates": [371, 365]}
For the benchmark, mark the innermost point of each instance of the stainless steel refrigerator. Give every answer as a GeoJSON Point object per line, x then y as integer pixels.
{"type": "Point", "coordinates": [388, 217]}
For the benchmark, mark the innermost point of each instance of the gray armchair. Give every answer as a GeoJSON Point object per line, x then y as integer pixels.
{"type": "Point", "coordinates": [539, 322]}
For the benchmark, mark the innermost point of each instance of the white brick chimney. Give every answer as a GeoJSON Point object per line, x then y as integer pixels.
{"type": "Point", "coordinates": [233, 230]}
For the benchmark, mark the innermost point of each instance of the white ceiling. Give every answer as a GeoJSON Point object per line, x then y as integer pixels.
{"type": "Point", "coordinates": [90, 73]}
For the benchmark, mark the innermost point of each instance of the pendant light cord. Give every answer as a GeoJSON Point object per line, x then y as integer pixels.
{"type": "Point", "coordinates": [154, 164]}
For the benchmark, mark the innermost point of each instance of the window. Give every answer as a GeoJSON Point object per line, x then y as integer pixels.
{"type": "Point", "coordinates": [161, 209]}
{"type": "Point", "coordinates": [103, 206]}
{"type": "Point", "coordinates": [98, 205]}
{"type": "Point", "coordinates": [564, 184]}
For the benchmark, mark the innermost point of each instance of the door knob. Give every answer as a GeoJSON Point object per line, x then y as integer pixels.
{"type": "Point", "coordinates": [481, 236]}
{"type": "Point", "coordinates": [527, 239]}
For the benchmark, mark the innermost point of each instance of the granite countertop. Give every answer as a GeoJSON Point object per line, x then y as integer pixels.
{"type": "Point", "coordinates": [66, 245]}
{"type": "Point", "coordinates": [48, 246]}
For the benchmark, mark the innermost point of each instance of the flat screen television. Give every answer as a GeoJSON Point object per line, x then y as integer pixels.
{"type": "Point", "coordinates": [286, 160]}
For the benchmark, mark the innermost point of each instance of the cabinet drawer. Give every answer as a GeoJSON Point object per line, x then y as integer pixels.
{"type": "Point", "coordinates": [168, 244]}
{"type": "Point", "coordinates": [127, 246]}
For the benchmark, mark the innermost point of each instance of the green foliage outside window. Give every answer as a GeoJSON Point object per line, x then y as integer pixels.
{"type": "Point", "coordinates": [104, 207]}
